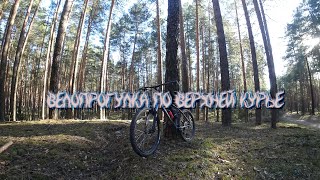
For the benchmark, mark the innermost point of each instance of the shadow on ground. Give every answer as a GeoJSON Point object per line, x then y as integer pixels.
{"type": "Point", "coordinates": [95, 149]}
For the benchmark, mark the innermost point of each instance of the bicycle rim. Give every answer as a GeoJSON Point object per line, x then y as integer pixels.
{"type": "Point", "coordinates": [145, 132]}
{"type": "Point", "coordinates": [187, 126]}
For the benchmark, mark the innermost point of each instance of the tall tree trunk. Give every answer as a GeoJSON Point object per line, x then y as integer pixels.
{"type": "Point", "coordinates": [18, 58]}
{"type": "Point", "coordinates": [272, 74]}
{"type": "Point", "coordinates": [203, 67]}
{"type": "Point", "coordinates": [295, 99]}
{"type": "Point", "coordinates": [184, 62]}
{"type": "Point", "coordinates": [254, 58]}
{"type": "Point", "coordinates": [48, 60]}
{"type": "Point", "coordinates": [131, 78]}
{"type": "Point", "coordinates": [241, 51]}
{"type": "Point", "coordinates": [55, 72]}
{"type": "Point", "coordinates": [85, 51]}
{"type": "Point", "coordinates": [189, 61]}
{"type": "Point", "coordinates": [171, 63]}
{"type": "Point", "coordinates": [266, 29]}
{"type": "Point", "coordinates": [311, 88]}
{"type": "Point", "coordinates": [76, 49]}
{"type": "Point", "coordinates": [198, 57]}
{"type": "Point", "coordinates": [131, 73]}
{"type": "Point", "coordinates": [74, 60]}
{"type": "Point", "coordinates": [4, 56]}
{"type": "Point", "coordinates": [224, 64]}
{"type": "Point", "coordinates": [210, 61]}
{"type": "Point", "coordinates": [242, 58]}
{"type": "Point", "coordinates": [159, 62]}
{"type": "Point", "coordinates": [103, 80]}
{"type": "Point", "coordinates": [302, 93]}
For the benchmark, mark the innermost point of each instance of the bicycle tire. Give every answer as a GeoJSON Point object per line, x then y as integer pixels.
{"type": "Point", "coordinates": [182, 122]}
{"type": "Point", "coordinates": [133, 128]}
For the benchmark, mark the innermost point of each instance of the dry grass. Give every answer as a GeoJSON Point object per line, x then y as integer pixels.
{"type": "Point", "coordinates": [100, 149]}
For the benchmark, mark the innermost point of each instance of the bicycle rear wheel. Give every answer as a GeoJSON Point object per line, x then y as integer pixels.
{"type": "Point", "coordinates": [186, 125]}
{"type": "Point", "coordinates": [145, 132]}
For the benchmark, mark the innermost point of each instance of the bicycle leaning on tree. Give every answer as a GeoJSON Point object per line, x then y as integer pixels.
{"type": "Point", "coordinates": [145, 125]}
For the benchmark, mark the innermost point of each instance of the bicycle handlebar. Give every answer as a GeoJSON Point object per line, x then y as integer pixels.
{"type": "Point", "coordinates": [155, 87]}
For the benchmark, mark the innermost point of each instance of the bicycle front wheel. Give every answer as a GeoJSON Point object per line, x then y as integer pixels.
{"type": "Point", "coordinates": [186, 125]}
{"type": "Point", "coordinates": [145, 132]}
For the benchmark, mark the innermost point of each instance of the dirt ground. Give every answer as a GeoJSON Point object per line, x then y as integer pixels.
{"type": "Point", "coordinates": [101, 150]}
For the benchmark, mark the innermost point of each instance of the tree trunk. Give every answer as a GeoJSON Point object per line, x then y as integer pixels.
{"type": "Point", "coordinates": [241, 57]}
{"type": "Point", "coordinates": [311, 88]}
{"type": "Point", "coordinates": [55, 72]}
{"type": "Point", "coordinates": [224, 65]}
{"type": "Point", "coordinates": [203, 67]}
{"type": "Point", "coordinates": [189, 62]}
{"type": "Point", "coordinates": [48, 60]}
{"type": "Point", "coordinates": [74, 60]}
{"type": "Point", "coordinates": [272, 74]}
{"type": "Point", "coordinates": [103, 80]}
{"type": "Point", "coordinates": [85, 51]}
{"type": "Point", "coordinates": [171, 63]}
{"type": "Point", "coordinates": [198, 57]}
{"type": "Point", "coordinates": [18, 58]}
{"type": "Point", "coordinates": [254, 58]}
{"type": "Point", "coordinates": [159, 62]}
{"type": "Point", "coordinates": [184, 62]}
{"type": "Point", "coordinates": [131, 73]}
{"type": "Point", "coordinates": [74, 69]}
{"type": "Point", "coordinates": [4, 56]}
{"type": "Point", "coordinates": [302, 94]}
{"type": "Point", "coordinates": [210, 62]}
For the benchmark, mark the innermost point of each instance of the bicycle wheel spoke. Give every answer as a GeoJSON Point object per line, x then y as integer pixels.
{"type": "Point", "coordinates": [139, 136]}
{"type": "Point", "coordinates": [142, 142]}
{"type": "Point", "coordinates": [144, 133]}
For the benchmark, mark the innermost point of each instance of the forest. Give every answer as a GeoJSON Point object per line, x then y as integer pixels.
{"type": "Point", "coordinates": [74, 46]}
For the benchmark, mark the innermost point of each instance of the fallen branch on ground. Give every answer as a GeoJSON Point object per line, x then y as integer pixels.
{"type": "Point", "coordinates": [6, 146]}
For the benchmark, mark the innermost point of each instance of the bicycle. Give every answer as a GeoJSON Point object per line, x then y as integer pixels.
{"type": "Point", "coordinates": [145, 125]}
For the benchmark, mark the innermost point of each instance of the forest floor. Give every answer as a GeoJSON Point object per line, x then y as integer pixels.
{"type": "Point", "coordinates": [70, 149]}
{"type": "Point", "coordinates": [306, 120]}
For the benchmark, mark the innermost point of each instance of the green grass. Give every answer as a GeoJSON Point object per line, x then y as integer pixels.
{"type": "Point", "coordinates": [100, 149]}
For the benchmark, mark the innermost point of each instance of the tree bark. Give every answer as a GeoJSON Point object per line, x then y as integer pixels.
{"type": "Point", "coordinates": [242, 58]}
{"type": "Point", "coordinates": [302, 94]}
{"type": "Point", "coordinates": [189, 61]}
{"type": "Point", "coordinates": [224, 64]}
{"type": "Point", "coordinates": [75, 54]}
{"type": "Point", "coordinates": [198, 57]}
{"type": "Point", "coordinates": [171, 63]}
{"type": "Point", "coordinates": [48, 60]}
{"type": "Point", "coordinates": [55, 71]}
{"type": "Point", "coordinates": [203, 67]}
{"type": "Point", "coordinates": [159, 62]}
{"type": "Point", "coordinates": [103, 80]}
{"type": "Point", "coordinates": [272, 74]}
{"type": "Point", "coordinates": [184, 62]}
{"type": "Point", "coordinates": [74, 60]}
{"type": "Point", "coordinates": [18, 58]}
{"type": "Point", "coordinates": [311, 88]}
{"type": "Point", "coordinates": [4, 56]}
{"type": "Point", "coordinates": [254, 59]}
{"type": "Point", "coordinates": [131, 74]}
{"type": "Point", "coordinates": [85, 51]}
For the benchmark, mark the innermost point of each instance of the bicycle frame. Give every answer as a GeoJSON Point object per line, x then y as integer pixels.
{"type": "Point", "coordinates": [167, 114]}
{"type": "Point", "coordinates": [155, 109]}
